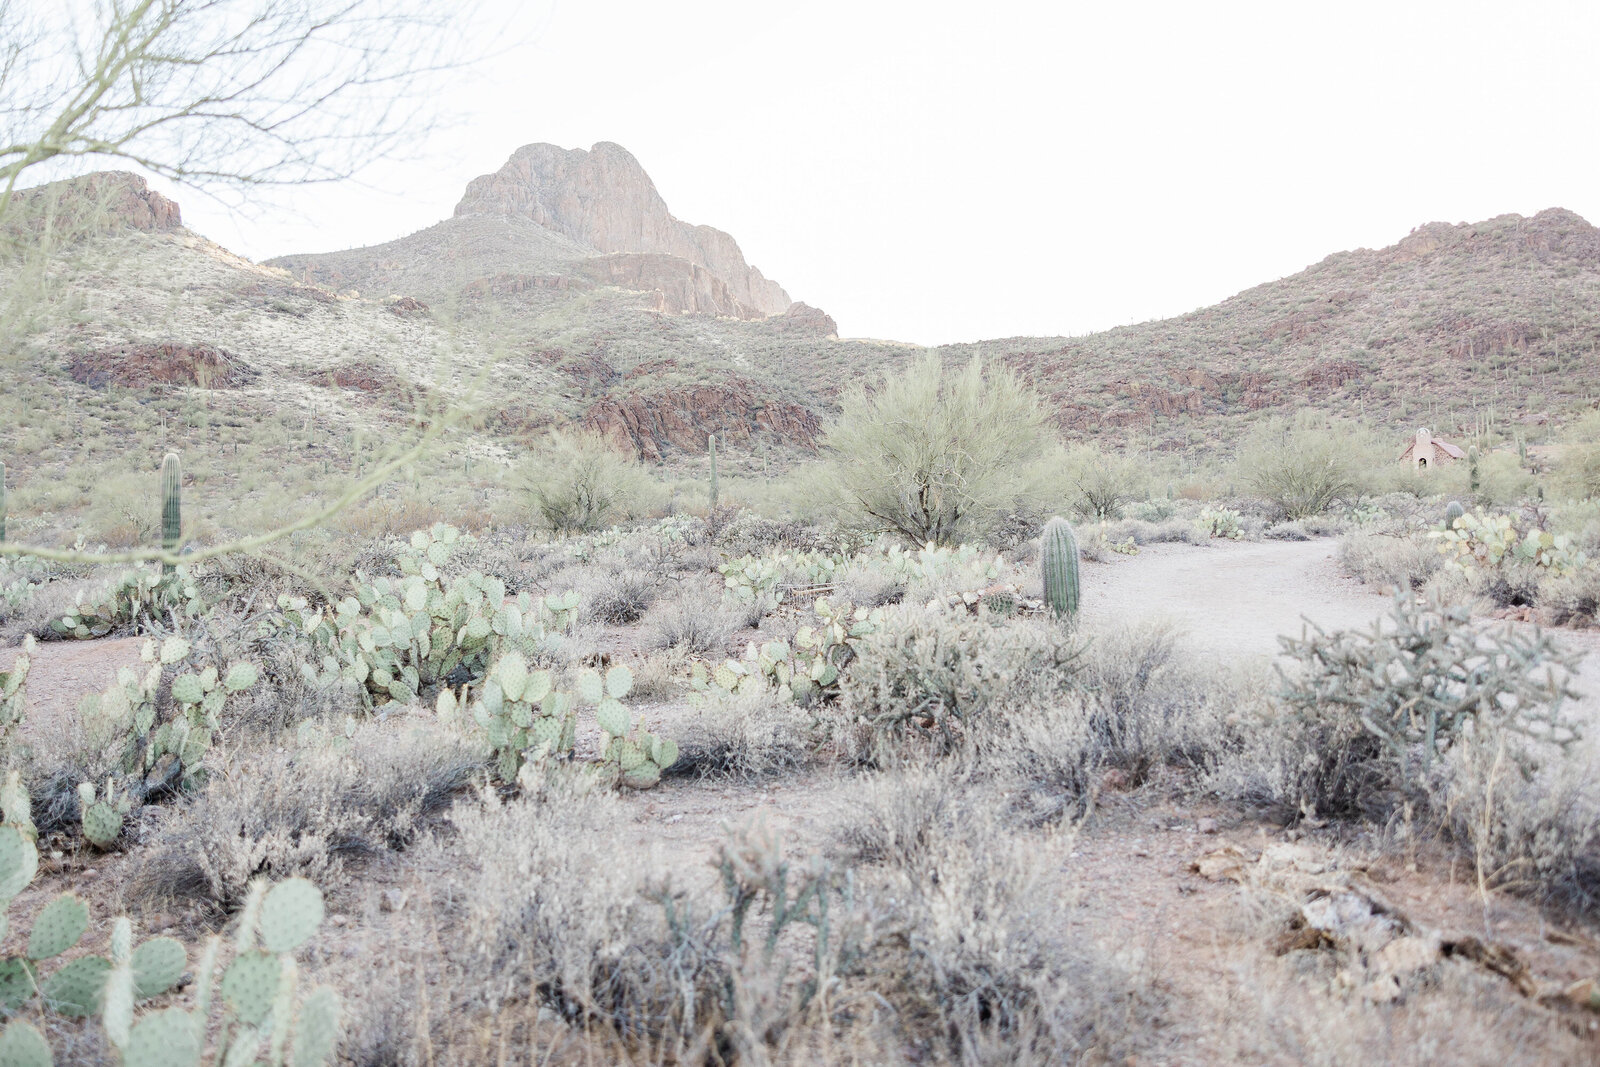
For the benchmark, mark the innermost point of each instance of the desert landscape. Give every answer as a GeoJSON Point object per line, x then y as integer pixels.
{"type": "Point", "coordinates": [543, 638]}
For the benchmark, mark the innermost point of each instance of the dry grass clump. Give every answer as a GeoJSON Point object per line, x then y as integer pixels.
{"type": "Point", "coordinates": [617, 596]}
{"type": "Point", "coordinates": [928, 676]}
{"type": "Point", "coordinates": [743, 735]}
{"type": "Point", "coordinates": [1404, 562]}
{"type": "Point", "coordinates": [699, 621]}
{"type": "Point", "coordinates": [302, 811]}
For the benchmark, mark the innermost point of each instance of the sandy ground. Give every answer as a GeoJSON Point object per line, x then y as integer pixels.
{"type": "Point", "coordinates": [1234, 599]}
{"type": "Point", "coordinates": [1230, 598]}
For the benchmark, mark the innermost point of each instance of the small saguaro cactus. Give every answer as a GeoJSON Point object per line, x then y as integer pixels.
{"type": "Point", "coordinates": [1058, 564]}
{"type": "Point", "coordinates": [1472, 468]}
{"type": "Point", "coordinates": [711, 446]}
{"type": "Point", "coordinates": [1452, 512]}
{"type": "Point", "coordinates": [171, 507]}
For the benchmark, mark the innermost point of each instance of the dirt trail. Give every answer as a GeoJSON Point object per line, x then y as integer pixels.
{"type": "Point", "coordinates": [1231, 598]}
{"type": "Point", "coordinates": [64, 672]}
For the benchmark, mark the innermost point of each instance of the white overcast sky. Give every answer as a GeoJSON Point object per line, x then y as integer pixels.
{"type": "Point", "coordinates": [939, 172]}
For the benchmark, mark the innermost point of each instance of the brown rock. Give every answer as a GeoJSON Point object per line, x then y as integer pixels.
{"type": "Point", "coordinates": [604, 198]}
{"type": "Point", "coordinates": [109, 199]}
{"type": "Point", "coordinates": [650, 424]}
{"type": "Point", "coordinates": [137, 366]}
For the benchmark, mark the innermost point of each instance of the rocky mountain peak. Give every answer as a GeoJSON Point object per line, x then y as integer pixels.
{"type": "Point", "coordinates": [603, 198]}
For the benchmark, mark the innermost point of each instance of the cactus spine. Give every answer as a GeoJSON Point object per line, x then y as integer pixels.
{"type": "Point", "coordinates": [1058, 563]}
{"type": "Point", "coordinates": [171, 507]}
{"type": "Point", "coordinates": [1452, 512]}
{"type": "Point", "coordinates": [711, 446]}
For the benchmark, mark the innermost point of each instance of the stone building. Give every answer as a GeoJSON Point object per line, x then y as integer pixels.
{"type": "Point", "coordinates": [1426, 450]}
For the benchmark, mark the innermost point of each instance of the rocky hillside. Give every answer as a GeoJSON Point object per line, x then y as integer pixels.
{"type": "Point", "coordinates": [1451, 326]}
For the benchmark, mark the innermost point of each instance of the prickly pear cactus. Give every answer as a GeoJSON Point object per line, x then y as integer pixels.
{"type": "Point", "coordinates": [1058, 565]}
{"type": "Point", "coordinates": [199, 697]}
{"type": "Point", "coordinates": [102, 818]}
{"type": "Point", "coordinates": [13, 693]}
{"type": "Point", "coordinates": [805, 673]}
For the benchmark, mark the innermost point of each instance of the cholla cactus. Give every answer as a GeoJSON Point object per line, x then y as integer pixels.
{"type": "Point", "coordinates": [1058, 565]}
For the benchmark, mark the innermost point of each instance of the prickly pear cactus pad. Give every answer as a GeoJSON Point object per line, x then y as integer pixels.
{"type": "Point", "coordinates": [290, 914]}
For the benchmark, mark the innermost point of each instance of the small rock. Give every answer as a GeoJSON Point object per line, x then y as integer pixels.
{"type": "Point", "coordinates": [391, 900]}
{"type": "Point", "coordinates": [338, 920]}
{"type": "Point", "coordinates": [1207, 825]}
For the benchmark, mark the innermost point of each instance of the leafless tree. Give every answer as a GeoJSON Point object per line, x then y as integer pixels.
{"type": "Point", "coordinates": [210, 92]}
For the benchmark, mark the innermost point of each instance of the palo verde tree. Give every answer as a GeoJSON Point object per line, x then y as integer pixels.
{"type": "Point", "coordinates": [939, 454]}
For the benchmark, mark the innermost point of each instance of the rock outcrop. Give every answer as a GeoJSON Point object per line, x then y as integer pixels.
{"type": "Point", "coordinates": [108, 199]}
{"type": "Point", "coordinates": [603, 198]}
{"type": "Point", "coordinates": [652, 424]}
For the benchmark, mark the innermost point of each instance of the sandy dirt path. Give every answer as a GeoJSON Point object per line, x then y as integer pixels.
{"type": "Point", "coordinates": [1231, 598]}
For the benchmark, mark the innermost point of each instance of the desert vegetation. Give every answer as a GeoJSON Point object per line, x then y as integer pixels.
{"type": "Point", "coordinates": [525, 669]}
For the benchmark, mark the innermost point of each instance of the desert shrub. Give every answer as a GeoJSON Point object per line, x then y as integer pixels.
{"type": "Point", "coordinates": [1529, 815]}
{"type": "Point", "coordinates": [550, 910]}
{"type": "Point", "coordinates": [1141, 532]}
{"type": "Point", "coordinates": [933, 454]}
{"type": "Point", "coordinates": [581, 482]}
{"type": "Point", "coordinates": [1363, 716]}
{"type": "Point", "coordinates": [1403, 562]}
{"type": "Point", "coordinates": [742, 735]}
{"type": "Point", "coordinates": [1156, 510]}
{"type": "Point", "coordinates": [929, 675]}
{"type": "Point", "coordinates": [988, 959]}
{"type": "Point", "coordinates": [303, 811]}
{"type": "Point", "coordinates": [1302, 468]}
{"type": "Point", "coordinates": [1100, 484]}
{"type": "Point", "coordinates": [620, 596]}
{"type": "Point", "coordinates": [1578, 470]}
{"type": "Point", "coordinates": [1135, 704]}
{"type": "Point", "coordinates": [1573, 599]}
{"type": "Point", "coordinates": [699, 621]}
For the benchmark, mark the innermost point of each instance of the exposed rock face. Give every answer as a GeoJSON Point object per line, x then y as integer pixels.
{"type": "Point", "coordinates": [138, 366]}
{"type": "Point", "coordinates": [803, 318]}
{"type": "Point", "coordinates": [108, 199]}
{"type": "Point", "coordinates": [680, 286]}
{"type": "Point", "coordinates": [604, 198]}
{"type": "Point", "coordinates": [652, 424]}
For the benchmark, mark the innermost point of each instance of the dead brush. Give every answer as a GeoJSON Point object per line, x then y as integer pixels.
{"type": "Point", "coordinates": [304, 811]}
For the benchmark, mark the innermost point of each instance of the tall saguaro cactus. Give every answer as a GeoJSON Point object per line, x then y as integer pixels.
{"type": "Point", "coordinates": [1058, 564]}
{"type": "Point", "coordinates": [171, 507]}
{"type": "Point", "coordinates": [711, 446]}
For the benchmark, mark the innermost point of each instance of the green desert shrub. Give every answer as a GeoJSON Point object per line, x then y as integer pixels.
{"type": "Point", "coordinates": [581, 482]}
{"type": "Point", "coordinates": [1578, 470]}
{"type": "Point", "coordinates": [939, 454]}
{"type": "Point", "coordinates": [1100, 485]}
{"type": "Point", "coordinates": [1302, 467]}
{"type": "Point", "coordinates": [929, 676]}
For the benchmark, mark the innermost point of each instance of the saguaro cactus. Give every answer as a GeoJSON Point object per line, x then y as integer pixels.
{"type": "Point", "coordinates": [1058, 563]}
{"type": "Point", "coordinates": [2, 503]}
{"type": "Point", "coordinates": [1452, 512]}
{"type": "Point", "coordinates": [1472, 469]}
{"type": "Point", "coordinates": [171, 507]}
{"type": "Point", "coordinates": [711, 446]}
